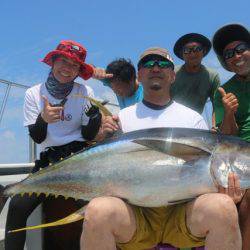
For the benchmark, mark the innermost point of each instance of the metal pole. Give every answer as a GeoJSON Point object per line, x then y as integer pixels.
{"type": "Point", "coordinates": [7, 92]}
{"type": "Point", "coordinates": [32, 150]}
{"type": "Point", "coordinates": [16, 168]}
{"type": "Point", "coordinates": [14, 84]}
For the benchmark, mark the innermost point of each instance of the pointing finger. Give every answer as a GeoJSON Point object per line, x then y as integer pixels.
{"type": "Point", "coordinates": [108, 75]}
{"type": "Point", "coordinates": [100, 73]}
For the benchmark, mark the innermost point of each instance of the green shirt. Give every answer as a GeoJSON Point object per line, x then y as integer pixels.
{"type": "Point", "coordinates": [242, 91]}
{"type": "Point", "coordinates": [193, 89]}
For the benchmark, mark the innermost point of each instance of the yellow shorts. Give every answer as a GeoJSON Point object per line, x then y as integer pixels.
{"type": "Point", "coordinates": [161, 225]}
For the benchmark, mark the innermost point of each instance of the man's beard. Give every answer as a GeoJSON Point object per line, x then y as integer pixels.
{"type": "Point", "coordinates": [155, 86]}
{"type": "Point", "coordinates": [245, 73]}
{"type": "Point", "coordinates": [248, 71]}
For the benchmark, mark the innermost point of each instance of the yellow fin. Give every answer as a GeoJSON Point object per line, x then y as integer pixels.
{"type": "Point", "coordinates": [96, 103]}
{"type": "Point", "coordinates": [76, 216]}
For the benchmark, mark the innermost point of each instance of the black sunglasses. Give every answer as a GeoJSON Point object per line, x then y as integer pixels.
{"type": "Point", "coordinates": [239, 49]}
{"type": "Point", "coordinates": [160, 64]}
{"type": "Point", "coordinates": [188, 50]}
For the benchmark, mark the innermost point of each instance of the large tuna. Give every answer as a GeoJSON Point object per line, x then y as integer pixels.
{"type": "Point", "coordinates": [151, 167]}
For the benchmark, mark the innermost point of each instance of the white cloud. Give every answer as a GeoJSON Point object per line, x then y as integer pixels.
{"type": "Point", "coordinates": [13, 115]}
{"type": "Point", "coordinates": [9, 135]}
{"type": "Point", "coordinates": [14, 146]}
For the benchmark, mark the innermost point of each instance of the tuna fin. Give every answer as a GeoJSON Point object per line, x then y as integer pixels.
{"type": "Point", "coordinates": [76, 216]}
{"type": "Point", "coordinates": [179, 201]}
{"type": "Point", "coordinates": [176, 149]}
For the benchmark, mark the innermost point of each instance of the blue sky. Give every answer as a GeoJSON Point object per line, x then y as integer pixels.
{"type": "Point", "coordinates": [108, 29]}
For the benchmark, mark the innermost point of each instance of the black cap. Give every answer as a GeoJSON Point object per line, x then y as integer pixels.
{"type": "Point", "coordinates": [227, 34]}
{"type": "Point", "coordinates": [191, 37]}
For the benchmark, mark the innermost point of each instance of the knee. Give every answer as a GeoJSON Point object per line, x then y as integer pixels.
{"type": "Point", "coordinates": [100, 211]}
{"type": "Point", "coordinates": [219, 209]}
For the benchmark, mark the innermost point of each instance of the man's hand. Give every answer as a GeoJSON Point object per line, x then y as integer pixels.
{"type": "Point", "coordinates": [100, 74]}
{"type": "Point", "coordinates": [110, 124]}
{"type": "Point", "coordinates": [229, 125]}
{"type": "Point", "coordinates": [50, 114]}
{"type": "Point", "coordinates": [230, 101]}
{"type": "Point", "coordinates": [233, 190]}
{"type": "Point", "coordinates": [108, 127]}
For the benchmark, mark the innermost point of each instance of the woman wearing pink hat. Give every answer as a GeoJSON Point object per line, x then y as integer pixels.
{"type": "Point", "coordinates": [58, 121]}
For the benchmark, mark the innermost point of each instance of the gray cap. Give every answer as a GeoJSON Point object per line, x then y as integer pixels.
{"type": "Point", "coordinates": [156, 51]}
{"type": "Point", "coordinates": [227, 34]}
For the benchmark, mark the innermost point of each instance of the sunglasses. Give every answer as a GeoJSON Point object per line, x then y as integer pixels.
{"type": "Point", "coordinates": [188, 50]}
{"type": "Point", "coordinates": [239, 49]}
{"type": "Point", "coordinates": [73, 49]}
{"type": "Point", "coordinates": [160, 64]}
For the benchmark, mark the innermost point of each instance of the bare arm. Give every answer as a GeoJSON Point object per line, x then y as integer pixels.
{"type": "Point", "coordinates": [229, 125]}
{"type": "Point", "coordinates": [230, 103]}
{"type": "Point", "coordinates": [108, 126]}
{"type": "Point", "coordinates": [49, 114]}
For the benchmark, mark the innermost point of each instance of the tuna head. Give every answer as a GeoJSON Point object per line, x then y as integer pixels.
{"type": "Point", "coordinates": [231, 156]}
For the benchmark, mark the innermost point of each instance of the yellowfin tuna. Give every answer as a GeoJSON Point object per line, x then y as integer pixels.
{"type": "Point", "coordinates": [150, 168]}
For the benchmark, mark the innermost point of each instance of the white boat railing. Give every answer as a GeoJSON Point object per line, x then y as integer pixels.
{"type": "Point", "coordinates": [7, 92]}
{"type": "Point", "coordinates": [16, 168]}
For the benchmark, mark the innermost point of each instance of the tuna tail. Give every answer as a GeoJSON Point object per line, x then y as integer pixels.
{"type": "Point", "coordinates": [96, 103]}
{"type": "Point", "coordinates": [76, 216]}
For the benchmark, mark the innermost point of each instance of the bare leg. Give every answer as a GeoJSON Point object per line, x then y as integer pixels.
{"type": "Point", "coordinates": [215, 217]}
{"type": "Point", "coordinates": [107, 220]}
{"type": "Point", "coordinates": [244, 219]}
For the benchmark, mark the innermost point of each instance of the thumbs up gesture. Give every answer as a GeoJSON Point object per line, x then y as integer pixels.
{"type": "Point", "coordinates": [50, 114]}
{"type": "Point", "coordinates": [229, 100]}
